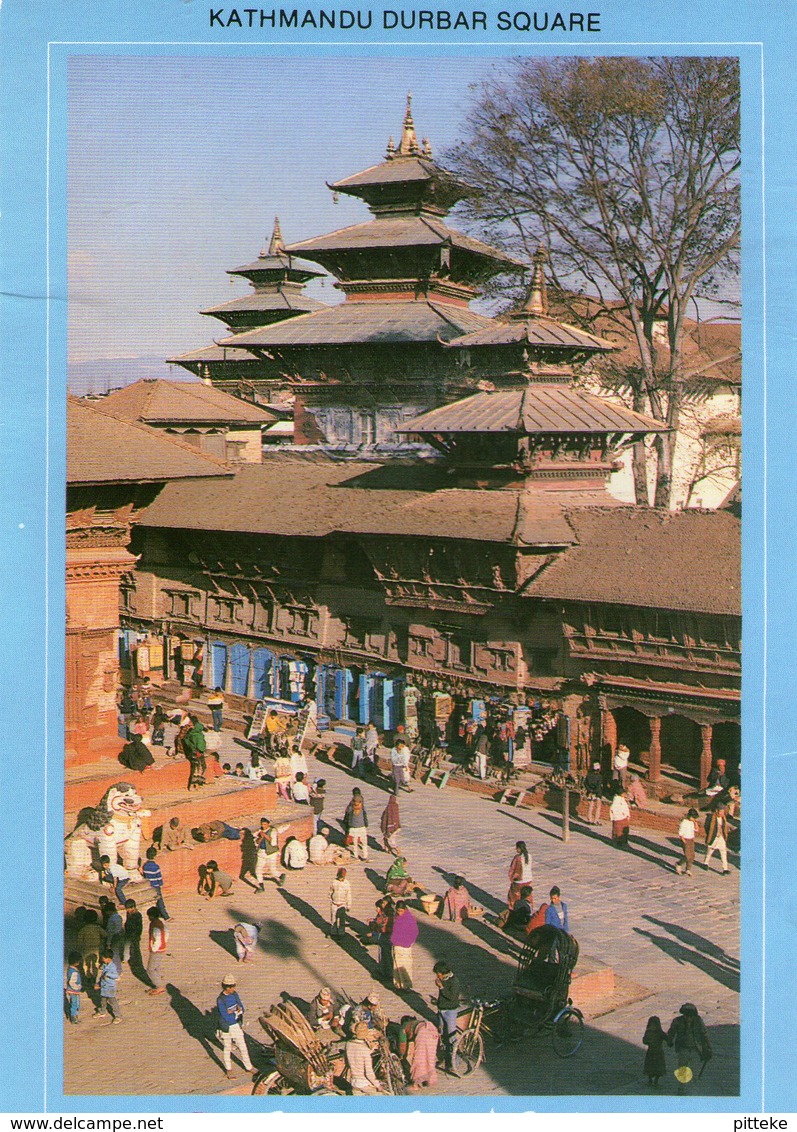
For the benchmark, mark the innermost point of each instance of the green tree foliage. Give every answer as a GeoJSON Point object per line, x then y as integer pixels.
{"type": "Point", "coordinates": [628, 169]}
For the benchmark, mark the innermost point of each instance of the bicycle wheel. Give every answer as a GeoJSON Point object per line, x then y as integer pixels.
{"type": "Point", "coordinates": [568, 1032]}
{"type": "Point", "coordinates": [468, 1053]}
{"type": "Point", "coordinates": [270, 1083]}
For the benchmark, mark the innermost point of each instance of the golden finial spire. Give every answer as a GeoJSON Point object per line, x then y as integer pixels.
{"type": "Point", "coordinates": [276, 246]}
{"type": "Point", "coordinates": [391, 148]}
{"type": "Point", "coordinates": [409, 142]}
{"type": "Point", "coordinates": [537, 302]}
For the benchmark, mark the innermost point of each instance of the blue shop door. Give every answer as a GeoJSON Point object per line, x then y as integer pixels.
{"type": "Point", "coordinates": [376, 699]}
{"type": "Point", "coordinates": [343, 680]}
{"type": "Point", "coordinates": [364, 697]}
{"type": "Point", "coordinates": [239, 663]}
{"type": "Point", "coordinates": [218, 664]}
{"type": "Point", "coordinates": [263, 660]}
{"type": "Point", "coordinates": [126, 639]}
{"type": "Point", "coordinates": [393, 699]}
{"type": "Point", "coordinates": [326, 685]}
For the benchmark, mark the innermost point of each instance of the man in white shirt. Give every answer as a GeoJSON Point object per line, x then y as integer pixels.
{"type": "Point", "coordinates": [295, 854]}
{"type": "Point", "coordinates": [300, 791]}
{"type": "Point", "coordinates": [400, 761]}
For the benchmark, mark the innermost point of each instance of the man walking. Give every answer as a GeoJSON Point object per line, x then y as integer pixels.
{"type": "Point", "coordinates": [449, 993]}
{"type": "Point", "coordinates": [216, 705]}
{"type": "Point", "coordinates": [268, 855]}
{"type": "Point", "coordinates": [400, 761]}
{"type": "Point", "coordinates": [391, 825]}
{"type": "Point", "coordinates": [158, 942]}
{"type": "Point", "coordinates": [152, 872]}
{"type": "Point", "coordinates": [231, 1014]}
{"type": "Point", "coordinates": [717, 837]}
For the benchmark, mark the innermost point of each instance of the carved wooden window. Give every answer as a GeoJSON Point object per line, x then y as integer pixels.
{"type": "Point", "coordinates": [421, 646]}
{"type": "Point", "coordinates": [224, 609]}
{"type": "Point", "coordinates": [502, 660]}
{"type": "Point", "coordinates": [181, 604]}
{"type": "Point", "coordinates": [459, 650]}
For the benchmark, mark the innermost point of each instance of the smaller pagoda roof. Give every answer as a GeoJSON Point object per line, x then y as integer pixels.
{"type": "Point", "coordinates": [413, 231]}
{"type": "Point", "coordinates": [157, 401]}
{"type": "Point", "coordinates": [282, 263]}
{"type": "Point", "coordinates": [280, 300]}
{"type": "Point", "coordinates": [102, 448]}
{"type": "Point", "coordinates": [408, 163]}
{"type": "Point", "coordinates": [536, 331]}
{"type": "Point", "coordinates": [274, 260]}
{"type": "Point", "coordinates": [352, 322]}
{"type": "Point", "coordinates": [535, 409]}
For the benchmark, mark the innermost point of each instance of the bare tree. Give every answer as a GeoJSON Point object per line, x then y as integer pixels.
{"type": "Point", "coordinates": [628, 169]}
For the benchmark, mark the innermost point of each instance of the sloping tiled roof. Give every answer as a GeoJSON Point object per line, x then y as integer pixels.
{"type": "Point", "coordinates": [411, 232]}
{"type": "Point", "coordinates": [294, 497]}
{"type": "Point", "coordinates": [214, 354]}
{"type": "Point", "coordinates": [103, 448]}
{"type": "Point", "coordinates": [535, 409]}
{"type": "Point", "coordinates": [291, 300]}
{"type": "Point", "coordinates": [177, 402]}
{"type": "Point", "coordinates": [687, 560]}
{"type": "Point", "coordinates": [274, 263]}
{"type": "Point", "coordinates": [352, 322]}
{"type": "Point", "coordinates": [392, 172]}
{"type": "Point", "coordinates": [537, 331]}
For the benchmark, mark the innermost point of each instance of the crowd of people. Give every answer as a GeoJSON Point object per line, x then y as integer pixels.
{"type": "Point", "coordinates": [105, 942]}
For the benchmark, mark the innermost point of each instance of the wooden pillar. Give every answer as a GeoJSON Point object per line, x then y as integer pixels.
{"type": "Point", "coordinates": [705, 754]}
{"type": "Point", "coordinates": [654, 766]}
{"type": "Point", "coordinates": [608, 732]}
{"type": "Point", "coordinates": [228, 670]}
{"type": "Point", "coordinates": [251, 691]}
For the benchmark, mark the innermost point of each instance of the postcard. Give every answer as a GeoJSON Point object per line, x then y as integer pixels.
{"type": "Point", "coordinates": [375, 560]}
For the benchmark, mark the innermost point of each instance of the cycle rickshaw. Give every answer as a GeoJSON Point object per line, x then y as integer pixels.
{"type": "Point", "coordinates": [539, 1001]}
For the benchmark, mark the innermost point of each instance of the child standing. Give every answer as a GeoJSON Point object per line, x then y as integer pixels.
{"type": "Point", "coordinates": [655, 1065]}
{"type": "Point", "coordinates": [686, 831]}
{"type": "Point", "coordinates": [109, 977]}
{"type": "Point", "coordinates": [73, 986]}
{"type": "Point", "coordinates": [339, 903]}
{"type": "Point", "coordinates": [134, 926]}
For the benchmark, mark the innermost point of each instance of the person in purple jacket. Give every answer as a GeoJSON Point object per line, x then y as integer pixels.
{"type": "Point", "coordinates": [556, 912]}
{"type": "Point", "coordinates": [402, 937]}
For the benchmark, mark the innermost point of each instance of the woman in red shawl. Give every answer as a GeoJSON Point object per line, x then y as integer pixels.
{"type": "Point", "coordinates": [391, 825]}
{"type": "Point", "coordinates": [457, 901]}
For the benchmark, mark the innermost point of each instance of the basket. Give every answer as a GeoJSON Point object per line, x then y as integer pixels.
{"type": "Point", "coordinates": [430, 903]}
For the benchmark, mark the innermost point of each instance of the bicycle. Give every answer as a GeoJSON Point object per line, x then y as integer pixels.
{"type": "Point", "coordinates": [468, 1050]}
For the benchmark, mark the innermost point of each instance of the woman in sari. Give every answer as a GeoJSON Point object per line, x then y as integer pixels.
{"type": "Point", "coordinates": [519, 873]}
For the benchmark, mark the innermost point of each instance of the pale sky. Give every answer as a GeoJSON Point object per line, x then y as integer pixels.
{"type": "Point", "coordinates": [177, 167]}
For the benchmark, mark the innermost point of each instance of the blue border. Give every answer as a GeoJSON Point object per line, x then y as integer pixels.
{"type": "Point", "coordinates": [32, 552]}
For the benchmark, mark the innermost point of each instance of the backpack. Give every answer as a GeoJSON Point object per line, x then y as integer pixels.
{"type": "Point", "coordinates": [537, 920]}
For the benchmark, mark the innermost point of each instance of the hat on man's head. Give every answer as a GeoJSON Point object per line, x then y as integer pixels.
{"type": "Point", "coordinates": [228, 981]}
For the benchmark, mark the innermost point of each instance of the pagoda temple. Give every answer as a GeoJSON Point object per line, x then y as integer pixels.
{"type": "Point", "coordinates": [408, 279]}
{"type": "Point", "coordinates": [278, 281]}
{"type": "Point", "coordinates": [500, 571]}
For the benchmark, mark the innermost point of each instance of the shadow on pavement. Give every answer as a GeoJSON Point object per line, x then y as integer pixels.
{"type": "Point", "coordinates": [698, 942]}
{"type": "Point", "coordinates": [198, 1024]}
{"type": "Point", "coordinates": [726, 975]}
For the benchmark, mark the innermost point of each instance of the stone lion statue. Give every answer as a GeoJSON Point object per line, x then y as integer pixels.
{"type": "Point", "coordinates": [112, 828]}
